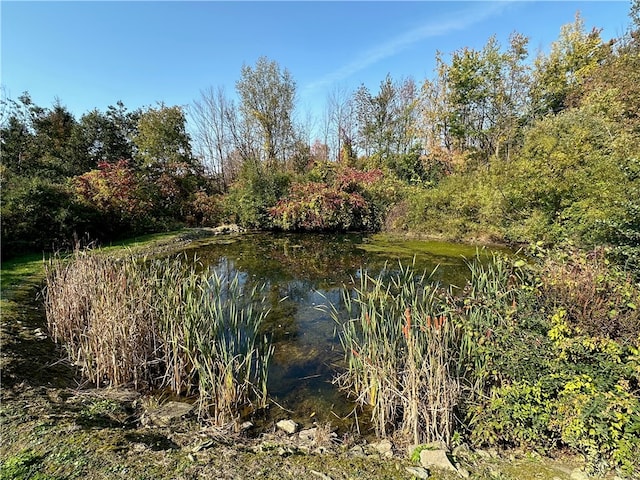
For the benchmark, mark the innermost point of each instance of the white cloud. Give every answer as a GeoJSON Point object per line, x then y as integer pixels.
{"type": "Point", "coordinates": [455, 21]}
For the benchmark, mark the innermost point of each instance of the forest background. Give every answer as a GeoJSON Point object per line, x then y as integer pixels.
{"type": "Point", "coordinates": [497, 146]}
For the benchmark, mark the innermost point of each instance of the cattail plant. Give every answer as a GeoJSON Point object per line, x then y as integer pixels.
{"type": "Point", "coordinates": [161, 323]}
{"type": "Point", "coordinates": [100, 309]}
{"type": "Point", "coordinates": [400, 351]}
{"type": "Point", "coordinates": [413, 349]}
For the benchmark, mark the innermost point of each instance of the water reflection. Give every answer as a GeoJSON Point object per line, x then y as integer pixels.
{"type": "Point", "coordinates": [302, 275]}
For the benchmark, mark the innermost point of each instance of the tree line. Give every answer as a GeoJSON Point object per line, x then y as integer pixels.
{"type": "Point", "coordinates": [497, 144]}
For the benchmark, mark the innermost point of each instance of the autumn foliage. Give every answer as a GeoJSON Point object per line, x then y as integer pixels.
{"type": "Point", "coordinates": [112, 189]}
{"type": "Point", "coordinates": [342, 204]}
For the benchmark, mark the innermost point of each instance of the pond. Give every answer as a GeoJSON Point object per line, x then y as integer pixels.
{"type": "Point", "coordinates": [303, 275]}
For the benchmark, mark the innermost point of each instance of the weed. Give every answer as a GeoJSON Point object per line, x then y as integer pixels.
{"type": "Point", "coordinates": [23, 465]}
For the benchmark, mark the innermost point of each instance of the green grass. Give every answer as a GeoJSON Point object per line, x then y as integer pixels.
{"type": "Point", "coordinates": [29, 269]}
{"type": "Point", "coordinates": [20, 270]}
{"type": "Point", "coordinates": [145, 241]}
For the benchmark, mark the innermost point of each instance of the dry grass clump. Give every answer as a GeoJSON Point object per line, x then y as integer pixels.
{"type": "Point", "coordinates": [158, 324]}
{"type": "Point", "coordinates": [101, 310]}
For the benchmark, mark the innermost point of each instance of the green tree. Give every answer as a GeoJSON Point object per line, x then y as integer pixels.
{"type": "Point", "coordinates": [386, 121]}
{"type": "Point", "coordinates": [559, 75]}
{"type": "Point", "coordinates": [569, 181]}
{"type": "Point", "coordinates": [38, 214]}
{"type": "Point", "coordinates": [169, 172]}
{"type": "Point", "coordinates": [267, 96]}
{"type": "Point", "coordinates": [17, 134]}
{"type": "Point", "coordinates": [40, 141]}
{"type": "Point", "coordinates": [478, 102]}
{"type": "Point", "coordinates": [107, 136]}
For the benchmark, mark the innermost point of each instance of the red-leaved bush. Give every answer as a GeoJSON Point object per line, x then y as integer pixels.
{"type": "Point", "coordinates": [112, 189]}
{"type": "Point", "coordinates": [317, 206]}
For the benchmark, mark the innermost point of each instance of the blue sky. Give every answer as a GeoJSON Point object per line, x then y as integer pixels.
{"type": "Point", "coordinates": [92, 54]}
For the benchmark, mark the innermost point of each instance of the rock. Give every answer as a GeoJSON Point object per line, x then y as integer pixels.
{"type": "Point", "coordinates": [287, 426]}
{"type": "Point", "coordinates": [487, 453]}
{"type": "Point", "coordinates": [436, 459]}
{"type": "Point", "coordinates": [223, 229]}
{"type": "Point", "coordinates": [418, 472]}
{"type": "Point", "coordinates": [139, 447]}
{"type": "Point", "coordinates": [308, 435]}
{"type": "Point", "coordinates": [383, 447]}
{"type": "Point", "coordinates": [167, 413]}
{"type": "Point", "coordinates": [411, 448]}
{"type": "Point", "coordinates": [463, 473]}
{"type": "Point", "coordinates": [577, 474]}
{"type": "Point", "coordinates": [357, 451]}
{"type": "Point", "coordinates": [462, 450]}
{"type": "Point", "coordinates": [435, 446]}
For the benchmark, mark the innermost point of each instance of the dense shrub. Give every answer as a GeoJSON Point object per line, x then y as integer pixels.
{"type": "Point", "coordinates": [595, 414]}
{"type": "Point", "coordinates": [461, 206]}
{"type": "Point", "coordinates": [316, 207]}
{"type": "Point", "coordinates": [205, 210]}
{"type": "Point", "coordinates": [599, 299]}
{"type": "Point", "coordinates": [38, 214]}
{"type": "Point", "coordinates": [344, 199]}
{"type": "Point", "coordinates": [572, 380]}
{"type": "Point", "coordinates": [257, 190]}
{"type": "Point", "coordinates": [115, 193]}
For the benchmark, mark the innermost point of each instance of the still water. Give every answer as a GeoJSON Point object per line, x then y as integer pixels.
{"type": "Point", "coordinates": [302, 276]}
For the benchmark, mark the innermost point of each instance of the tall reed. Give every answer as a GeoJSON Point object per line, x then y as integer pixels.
{"type": "Point", "coordinates": [412, 348]}
{"type": "Point", "coordinates": [399, 347]}
{"type": "Point", "coordinates": [161, 323]}
{"type": "Point", "coordinates": [100, 309]}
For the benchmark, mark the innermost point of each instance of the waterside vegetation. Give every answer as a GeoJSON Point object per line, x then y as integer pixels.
{"type": "Point", "coordinates": [160, 323]}
{"type": "Point", "coordinates": [542, 356]}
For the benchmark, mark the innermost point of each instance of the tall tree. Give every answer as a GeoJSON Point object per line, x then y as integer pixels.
{"type": "Point", "coordinates": [17, 134]}
{"type": "Point", "coordinates": [478, 102]}
{"type": "Point", "coordinates": [108, 136]}
{"type": "Point", "coordinates": [338, 121]}
{"type": "Point", "coordinates": [559, 75]}
{"type": "Point", "coordinates": [386, 120]}
{"type": "Point", "coordinates": [267, 96]}
{"type": "Point", "coordinates": [211, 117]}
{"type": "Point", "coordinates": [164, 158]}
